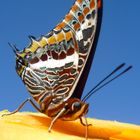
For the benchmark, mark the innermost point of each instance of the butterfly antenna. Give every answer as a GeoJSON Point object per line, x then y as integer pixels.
{"type": "Point", "coordinates": [115, 70]}
{"type": "Point", "coordinates": [96, 88]}
{"type": "Point", "coordinates": [14, 48]}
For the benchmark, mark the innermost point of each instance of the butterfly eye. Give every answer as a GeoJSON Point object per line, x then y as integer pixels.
{"type": "Point", "coordinates": [76, 106]}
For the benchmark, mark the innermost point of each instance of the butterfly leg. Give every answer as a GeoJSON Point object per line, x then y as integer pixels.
{"type": "Point", "coordinates": [85, 124]}
{"type": "Point", "coordinates": [55, 118]}
{"type": "Point", "coordinates": [21, 106]}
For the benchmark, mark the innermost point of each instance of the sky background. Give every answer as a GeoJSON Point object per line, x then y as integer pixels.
{"type": "Point", "coordinates": [119, 42]}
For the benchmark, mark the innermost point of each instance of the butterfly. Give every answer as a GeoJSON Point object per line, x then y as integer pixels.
{"type": "Point", "coordinates": [55, 67]}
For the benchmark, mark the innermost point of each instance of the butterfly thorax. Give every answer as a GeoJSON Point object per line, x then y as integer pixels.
{"type": "Point", "coordinates": [74, 109]}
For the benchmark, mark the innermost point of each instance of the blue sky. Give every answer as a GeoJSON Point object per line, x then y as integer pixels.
{"type": "Point", "coordinates": [119, 42]}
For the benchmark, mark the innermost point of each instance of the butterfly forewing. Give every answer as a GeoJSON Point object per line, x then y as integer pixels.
{"type": "Point", "coordinates": [54, 64]}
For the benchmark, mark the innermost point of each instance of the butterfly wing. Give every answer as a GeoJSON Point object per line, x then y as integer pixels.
{"type": "Point", "coordinates": [57, 64]}
{"type": "Point", "coordinates": [97, 26]}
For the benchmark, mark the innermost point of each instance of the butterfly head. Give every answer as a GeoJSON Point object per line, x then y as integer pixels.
{"type": "Point", "coordinates": [75, 109]}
